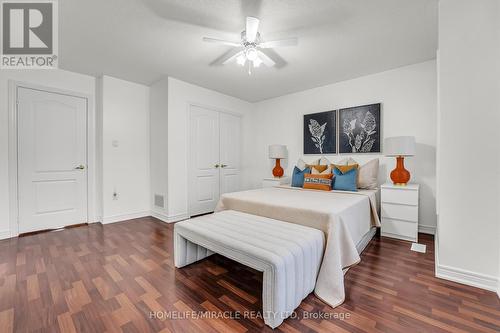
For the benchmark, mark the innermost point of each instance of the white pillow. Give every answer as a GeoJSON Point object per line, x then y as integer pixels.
{"type": "Point", "coordinates": [301, 165]}
{"type": "Point", "coordinates": [347, 161]}
{"type": "Point", "coordinates": [315, 162]}
{"type": "Point", "coordinates": [326, 172]}
{"type": "Point", "coordinates": [324, 161]}
{"type": "Point", "coordinates": [368, 175]}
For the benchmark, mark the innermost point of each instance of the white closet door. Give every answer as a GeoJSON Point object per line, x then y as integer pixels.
{"type": "Point", "coordinates": [230, 148]}
{"type": "Point", "coordinates": [52, 160]}
{"type": "Point", "coordinates": [204, 162]}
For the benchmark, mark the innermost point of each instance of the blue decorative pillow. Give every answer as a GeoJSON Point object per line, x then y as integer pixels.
{"type": "Point", "coordinates": [298, 176]}
{"type": "Point", "coordinates": [345, 181]}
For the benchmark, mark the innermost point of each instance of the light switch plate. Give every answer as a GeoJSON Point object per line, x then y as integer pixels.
{"type": "Point", "coordinates": [418, 247]}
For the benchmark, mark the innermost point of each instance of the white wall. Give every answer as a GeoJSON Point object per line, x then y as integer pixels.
{"type": "Point", "coordinates": [408, 97]}
{"type": "Point", "coordinates": [159, 145]}
{"type": "Point", "coordinates": [125, 118]}
{"type": "Point", "coordinates": [180, 95]}
{"type": "Point", "coordinates": [58, 79]}
{"type": "Point", "coordinates": [498, 157]}
{"type": "Point", "coordinates": [468, 176]}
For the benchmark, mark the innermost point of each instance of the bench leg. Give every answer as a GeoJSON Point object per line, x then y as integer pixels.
{"type": "Point", "coordinates": [186, 252]}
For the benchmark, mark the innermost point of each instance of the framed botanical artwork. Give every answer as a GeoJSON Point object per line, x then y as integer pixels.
{"type": "Point", "coordinates": [320, 133]}
{"type": "Point", "coordinates": [359, 129]}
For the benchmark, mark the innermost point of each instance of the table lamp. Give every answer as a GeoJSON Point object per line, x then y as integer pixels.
{"type": "Point", "coordinates": [400, 146]}
{"type": "Point", "coordinates": [277, 152]}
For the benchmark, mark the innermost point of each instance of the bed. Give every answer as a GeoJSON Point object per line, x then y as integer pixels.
{"type": "Point", "coordinates": [348, 220]}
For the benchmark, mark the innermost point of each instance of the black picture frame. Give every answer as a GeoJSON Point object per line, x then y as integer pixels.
{"type": "Point", "coordinates": [360, 129]}
{"type": "Point", "coordinates": [320, 133]}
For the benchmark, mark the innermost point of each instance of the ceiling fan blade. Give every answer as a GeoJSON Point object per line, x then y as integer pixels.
{"type": "Point", "coordinates": [266, 59]}
{"type": "Point", "coordinates": [279, 43]}
{"type": "Point", "coordinates": [221, 41]}
{"type": "Point", "coordinates": [227, 57]}
{"type": "Point", "coordinates": [270, 54]}
{"type": "Point", "coordinates": [233, 57]}
{"type": "Point", "coordinates": [252, 28]}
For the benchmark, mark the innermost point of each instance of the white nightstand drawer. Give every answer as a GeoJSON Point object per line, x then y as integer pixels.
{"type": "Point", "coordinates": [399, 229]}
{"type": "Point", "coordinates": [400, 196]}
{"type": "Point", "coordinates": [400, 212]}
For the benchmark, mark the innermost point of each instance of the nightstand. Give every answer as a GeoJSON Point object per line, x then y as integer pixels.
{"type": "Point", "coordinates": [271, 181]}
{"type": "Point", "coordinates": [400, 211]}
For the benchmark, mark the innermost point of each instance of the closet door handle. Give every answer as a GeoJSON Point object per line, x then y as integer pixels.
{"type": "Point", "coordinates": [216, 166]}
{"type": "Point", "coordinates": [223, 166]}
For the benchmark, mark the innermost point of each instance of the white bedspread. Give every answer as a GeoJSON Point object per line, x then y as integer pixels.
{"type": "Point", "coordinates": [289, 255]}
{"type": "Point", "coordinates": [331, 212]}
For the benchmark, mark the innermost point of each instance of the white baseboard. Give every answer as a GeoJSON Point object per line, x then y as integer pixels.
{"type": "Point", "coordinates": [160, 216]}
{"type": "Point", "coordinates": [4, 234]}
{"type": "Point", "coordinates": [482, 281]}
{"type": "Point", "coordinates": [124, 217]}
{"type": "Point", "coordinates": [427, 229]}
{"type": "Point", "coordinates": [169, 218]}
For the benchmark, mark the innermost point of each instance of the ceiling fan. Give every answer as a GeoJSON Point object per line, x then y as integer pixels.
{"type": "Point", "coordinates": [251, 50]}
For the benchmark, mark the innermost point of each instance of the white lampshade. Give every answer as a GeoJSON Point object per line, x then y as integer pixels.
{"type": "Point", "coordinates": [277, 151]}
{"type": "Point", "coordinates": [399, 146]}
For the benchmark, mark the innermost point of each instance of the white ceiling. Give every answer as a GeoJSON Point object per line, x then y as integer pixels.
{"type": "Point", "coordinates": [145, 40]}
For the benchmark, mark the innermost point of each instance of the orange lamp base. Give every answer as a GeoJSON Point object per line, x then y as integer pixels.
{"type": "Point", "coordinates": [278, 170]}
{"type": "Point", "coordinates": [400, 176]}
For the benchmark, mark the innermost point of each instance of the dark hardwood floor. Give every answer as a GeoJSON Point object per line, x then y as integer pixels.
{"type": "Point", "coordinates": [121, 277]}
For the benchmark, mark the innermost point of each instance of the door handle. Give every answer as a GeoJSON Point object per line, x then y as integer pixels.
{"type": "Point", "coordinates": [223, 166]}
{"type": "Point", "coordinates": [216, 166]}
{"type": "Point", "coordinates": [80, 167]}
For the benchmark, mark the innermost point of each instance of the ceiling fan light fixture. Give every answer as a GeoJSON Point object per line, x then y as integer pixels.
{"type": "Point", "coordinates": [257, 62]}
{"type": "Point", "coordinates": [251, 54]}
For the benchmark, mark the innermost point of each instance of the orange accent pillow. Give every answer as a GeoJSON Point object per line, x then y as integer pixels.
{"type": "Point", "coordinates": [345, 168]}
{"type": "Point", "coordinates": [318, 182]}
{"type": "Point", "coordinates": [319, 168]}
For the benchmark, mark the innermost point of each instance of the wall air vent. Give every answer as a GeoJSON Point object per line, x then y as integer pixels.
{"type": "Point", "coordinates": [159, 201]}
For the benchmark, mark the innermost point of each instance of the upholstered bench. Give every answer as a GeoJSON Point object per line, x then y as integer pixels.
{"type": "Point", "coordinates": [289, 255]}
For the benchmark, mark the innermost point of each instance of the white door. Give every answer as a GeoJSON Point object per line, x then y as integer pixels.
{"type": "Point", "coordinates": [204, 161]}
{"type": "Point", "coordinates": [230, 147]}
{"type": "Point", "coordinates": [52, 160]}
